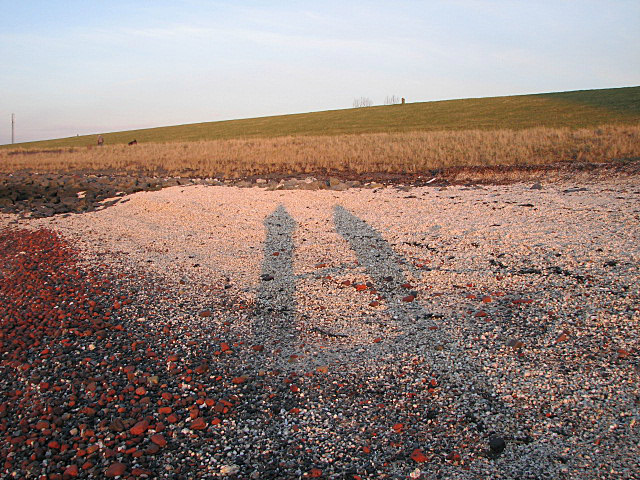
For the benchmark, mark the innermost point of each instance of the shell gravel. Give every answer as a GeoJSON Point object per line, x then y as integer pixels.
{"type": "Point", "coordinates": [458, 332]}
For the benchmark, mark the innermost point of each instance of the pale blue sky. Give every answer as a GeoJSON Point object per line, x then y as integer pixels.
{"type": "Point", "coordinates": [79, 67]}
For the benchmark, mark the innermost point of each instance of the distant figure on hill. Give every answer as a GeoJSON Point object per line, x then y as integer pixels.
{"type": "Point", "coordinates": [133, 142]}
{"type": "Point", "coordinates": [100, 140]}
{"type": "Point", "coordinates": [402, 100]}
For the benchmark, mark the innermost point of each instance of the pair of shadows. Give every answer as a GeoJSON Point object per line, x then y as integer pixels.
{"type": "Point", "coordinates": [276, 295]}
{"type": "Point", "coordinates": [276, 304]}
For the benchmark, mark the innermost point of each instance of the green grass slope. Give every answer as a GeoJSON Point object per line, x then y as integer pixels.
{"type": "Point", "coordinates": [576, 109]}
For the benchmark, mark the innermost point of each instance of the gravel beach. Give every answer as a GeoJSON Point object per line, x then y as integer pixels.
{"type": "Point", "coordinates": [401, 332]}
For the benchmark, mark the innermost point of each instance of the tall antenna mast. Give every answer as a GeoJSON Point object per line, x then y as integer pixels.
{"type": "Point", "coordinates": [13, 128]}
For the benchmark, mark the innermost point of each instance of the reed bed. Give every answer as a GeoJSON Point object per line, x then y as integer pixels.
{"type": "Point", "coordinates": [407, 153]}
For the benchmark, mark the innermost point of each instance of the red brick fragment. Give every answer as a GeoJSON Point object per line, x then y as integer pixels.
{"type": "Point", "coordinates": [521, 301]}
{"type": "Point", "coordinates": [115, 469]}
{"type": "Point", "coordinates": [622, 353]}
{"type": "Point", "coordinates": [454, 457]}
{"type": "Point", "coordinates": [418, 456]}
{"type": "Point", "coordinates": [42, 424]}
{"type": "Point", "coordinates": [172, 418]}
{"type": "Point", "coordinates": [139, 428]}
{"type": "Point", "coordinates": [202, 368]}
{"type": "Point", "coordinates": [70, 472]}
{"type": "Point", "coordinates": [139, 472]}
{"type": "Point", "coordinates": [159, 439]}
{"type": "Point", "coordinates": [198, 424]}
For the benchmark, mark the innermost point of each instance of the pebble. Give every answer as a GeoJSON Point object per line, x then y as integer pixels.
{"type": "Point", "coordinates": [140, 427]}
{"type": "Point", "coordinates": [159, 439]}
{"type": "Point", "coordinates": [70, 472]}
{"type": "Point", "coordinates": [496, 444]}
{"type": "Point", "coordinates": [198, 424]}
{"type": "Point", "coordinates": [116, 469]}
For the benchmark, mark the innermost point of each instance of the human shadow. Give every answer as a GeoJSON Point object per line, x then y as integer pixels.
{"type": "Point", "coordinates": [383, 265]}
{"type": "Point", "coordinates": [275, 302]}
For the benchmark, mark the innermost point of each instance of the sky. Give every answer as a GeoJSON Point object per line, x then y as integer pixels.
{"type": "Point", "coordinates": [79, 67]}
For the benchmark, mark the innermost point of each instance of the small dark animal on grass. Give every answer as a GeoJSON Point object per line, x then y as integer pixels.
{"type": "Point", "coordinates": [133, 142]}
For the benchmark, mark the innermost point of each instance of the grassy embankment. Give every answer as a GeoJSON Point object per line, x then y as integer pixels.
{"type": "Point", "coordinates": [590, 126]}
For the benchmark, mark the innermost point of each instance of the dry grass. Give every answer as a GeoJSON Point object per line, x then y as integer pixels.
{"type": "Point", "coordinates": [414, 152]}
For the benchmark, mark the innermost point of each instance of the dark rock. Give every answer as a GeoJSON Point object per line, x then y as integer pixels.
{"type": "Point", "coordinates": [117, 425]}
{"type": "Point", "coordinates": [51, 194]}
{"type": "Point", "coordinates": [496, 444]}
{"type": "Point", "coordinates": [572, 190]}
{"type": "Point", "coordinates": [527, 271]}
